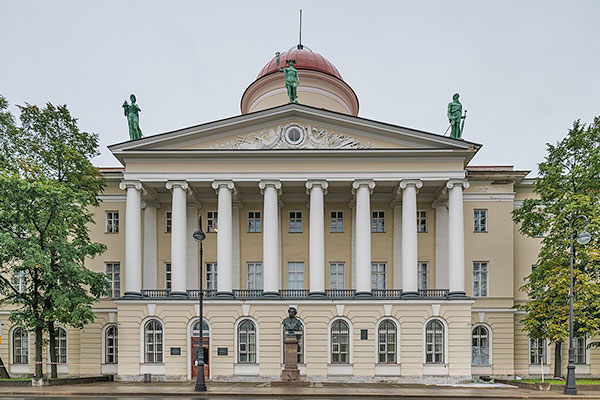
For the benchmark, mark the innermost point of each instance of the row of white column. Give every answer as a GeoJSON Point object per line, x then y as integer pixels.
{"type": "Point", "coordinates": [316, 189]}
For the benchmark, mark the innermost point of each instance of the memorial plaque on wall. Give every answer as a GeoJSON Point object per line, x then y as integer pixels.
{"type": "Point", "coordinates": [221, 351]}
{"type": "Point", "coordinates": [175, 351]}
{"type": "Point", "coordinates": [364, 334]}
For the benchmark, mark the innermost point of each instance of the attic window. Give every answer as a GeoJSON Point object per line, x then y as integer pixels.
{"type": "Point", "coordinates": [294, 135]}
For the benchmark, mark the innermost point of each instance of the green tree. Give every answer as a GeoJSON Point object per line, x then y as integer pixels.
{"type": "Point", "coordinates": [47, 188]}
{"type": "Point", "coordinates": [568, 185]}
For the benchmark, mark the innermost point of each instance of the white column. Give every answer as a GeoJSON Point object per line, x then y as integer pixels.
{"type": "Point", "coordinates": [363, 190]}
{"type": "Point", "coordinates": [317, 190]}
{"type": "Point", "coordinates": [224, 238]}
{"type": "Point", "coordinates": [396, 205]}
{"type": "Point", "coordinates": [236, 244]}
{"type": "Point", "coordinates": [441, 244]}
{"type": "Point", "coordinates": [193, 251]}
{"type": "Point", "coordinates": [456, 237]}
{"type": "Point", "coordinates": [178, 237]}
{"type": "Point", "coordinates": [133, 238]}
{"type": "Point", "coordinates": [352, 206]}
{"type": "Point", "coordinates": [150, 267]}
{"type": "Point", "coordinates": [271, 263]}
{"type": "Point", "coordinates": [409, 236]}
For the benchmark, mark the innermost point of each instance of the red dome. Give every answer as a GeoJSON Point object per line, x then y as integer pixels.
{"type": "Point", "coordinates": [305, 59]}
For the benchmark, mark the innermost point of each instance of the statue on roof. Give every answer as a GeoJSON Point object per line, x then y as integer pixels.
{"type": "Point", "coordinates": [291, 78]}
{"type": "Point", "coordinates": [456, 117]}
{"type": "Point", "coordinates": [132, 112]}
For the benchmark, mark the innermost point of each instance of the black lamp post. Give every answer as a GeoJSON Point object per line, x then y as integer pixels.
{"type": "Point", "coordinates": [199, 236]}
{"type": "Point", "coordinates": [583, 238]}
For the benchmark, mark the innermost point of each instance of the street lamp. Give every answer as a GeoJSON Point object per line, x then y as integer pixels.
{"type": "Point", "coordinates": [583, 238]}
{"type": "Point", "coordinates": [199, 236]}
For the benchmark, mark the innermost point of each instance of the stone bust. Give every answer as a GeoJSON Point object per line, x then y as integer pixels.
{"type": "Point", "coordinates": [291, 324]}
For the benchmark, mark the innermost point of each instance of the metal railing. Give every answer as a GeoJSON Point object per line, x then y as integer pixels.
{"type": "Point", "coordinates": [293, 293]}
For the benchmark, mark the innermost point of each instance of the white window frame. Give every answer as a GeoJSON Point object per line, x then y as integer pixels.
{"type": "Point", "coordinates": [61, 343]}
{"type": "Point", "coordinates": [212, 221]}
{"type": "Point", "coordinates": [377, 273]}
{"type": "Point", "coordinates": [255, 216]}
{"type": "Point", "coordinates": [114, 293]}
{"type": "Point", "coordinates": [155, 342]}
{"type": "Point", "coordinates": [295, 222]}
{"type": "Point", "coordinates": [422, 271]}
{"type": "Point", "coordinates": [111, 224]}
{"type": "Point", "coordinates": [105, 346]}
{"type": "Point", "coordinates": [237, 344]}
{"type": "Point", "coordinates": [20, 281]}
{"type": "Point", "coordinates": [23, 334]}
{"type": "Point", "coordinates": [445, 341]}
{"type": "Point", "coordinates": [576, 352]}
{"type": "Point", "coordinates": [396, 342]}
{"type": "Point", "coordinates": [168, 268]}
{"type": "Point", "coordinates": [296, 273]}
{"type": "Point", "coordinates": [211, 269]}
{"type": "Point", "coordinates": [336, 222]}
{"type": "Point", "coordinates": [378, 221]}
{"type": "Point", "coordinates": [480, 290]}
{"type": "Point", "coordinates": [350, 342]}
{"type": "Point", "coordinates": [336, 274]}
{"type": "Point", "coordinates": [479, 215]}
{"type": "Point", "coordinates": [422, 221]}
{"type": "Point", "coordinates": [489, 338]}
{"type": "Point", "coordinates": [545, 352]}
{"type": "Point", "coordinates": [254, 274]}
{"type": "Point", "coordinates": [168, 221]}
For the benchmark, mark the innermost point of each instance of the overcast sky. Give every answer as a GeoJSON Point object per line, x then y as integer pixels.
{"type": "Point", "coordinates": [525, 69]}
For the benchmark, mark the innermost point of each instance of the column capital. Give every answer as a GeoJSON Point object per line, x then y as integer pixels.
{"type": "Point", "coordinates": [395, 203]}
{"type": "Point", "coordinates": [368, 183]}
{"type": "Point", "coordinates": [173, 184]}
{"type": "Point", "coordinates": [262, 185]}
{"type": "Point", "coordinates": [125, 184]}
{"type": "Point", "coordinates": [150, 203]}
{"type": "Point", "coordinates": [409, 182]}
{"type": "Point", "coordinates": [314, 183]}
{"type": "Point", "coordinates": [228, 184]}
{"type": "Point", "coordinates": [439, 203]}
{"type": "Point", "coordinates": [456, 182]}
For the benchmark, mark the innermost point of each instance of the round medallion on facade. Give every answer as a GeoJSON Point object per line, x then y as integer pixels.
{"type": "Point", "coordinates": [294, 135]}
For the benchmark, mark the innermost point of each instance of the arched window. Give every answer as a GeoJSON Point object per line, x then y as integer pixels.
{"type": "Point", "coordinates": [60, 346]}
{"type": "Point", "coordinates": [111, 343]}
{"type": "Point", "coordinates": [20, 346]}
{"type": "Point", "coordinates": [340, 342]}
{"type": "Point", "coordinates": [387, 342]}
{"type": "Point", "coordinates": [153, 342]}
{"type": "Point", "coordinates": [434, 342]}
{"type": "Point", "coordinates": [246, 342]}
{"type": "Point", "coordinates": [205, 329]}
{"type": "Point", "coordinates": [480, 349]}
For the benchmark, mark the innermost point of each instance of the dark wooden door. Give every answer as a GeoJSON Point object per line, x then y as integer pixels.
{"type": "Point", "coordinates": [195, 350]}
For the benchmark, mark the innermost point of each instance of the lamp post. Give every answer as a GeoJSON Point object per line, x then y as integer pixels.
{"type": "Point", "coordinates": [199, 236]}
{"type": "Point", "coordinates": [583, 238]}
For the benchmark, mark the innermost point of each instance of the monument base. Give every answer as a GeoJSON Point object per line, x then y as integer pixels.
{"type": "Point", "coordinates": [290, 376]}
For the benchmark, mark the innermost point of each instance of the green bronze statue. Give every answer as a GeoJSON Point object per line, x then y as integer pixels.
{"type": "Point", "coordinates": [291, 78]}
{"type": "Point", "coordinates": [456, 117]}
{"type": "Point", "coordinates": [132, 112]}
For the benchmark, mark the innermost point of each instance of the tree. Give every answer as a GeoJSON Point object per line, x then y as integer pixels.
{"type": "Point", "coordinates": [47, 188]}
{"type": "Point", "coordinates": [568, 185]}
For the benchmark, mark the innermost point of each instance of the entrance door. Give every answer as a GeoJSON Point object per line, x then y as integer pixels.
{"type": "Point", "coordinates": [196, 349]}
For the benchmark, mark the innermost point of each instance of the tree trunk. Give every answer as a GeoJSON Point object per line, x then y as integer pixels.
{"type": "Point", "coordinates": [3, 372]}
{"type": "Point", "coordinates": [39, 371]}
{"type": "Point", "coordinates": [52, 345]}
{"type": "Point", "coordinates": [558, 360]}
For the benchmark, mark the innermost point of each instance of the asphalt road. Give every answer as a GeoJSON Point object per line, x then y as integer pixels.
{"type": "Point", "coordinates": [220, 397]}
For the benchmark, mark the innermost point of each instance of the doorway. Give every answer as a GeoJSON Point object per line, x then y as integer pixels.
{"type": "Point", "coordinates": [196, 348]}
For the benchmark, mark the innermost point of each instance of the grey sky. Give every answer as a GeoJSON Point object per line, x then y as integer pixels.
{"type": "Point", "coordinates": [525, 69]}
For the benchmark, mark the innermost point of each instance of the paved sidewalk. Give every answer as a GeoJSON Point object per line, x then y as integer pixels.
{"type": "Point", "coordinates": [262, 390]}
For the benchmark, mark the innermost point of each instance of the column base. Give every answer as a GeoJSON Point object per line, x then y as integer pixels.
{"type": "Point", "coordinates": [132, 295]}
{"type": "Point", "coordinates": [457, 295]}
{"type": "Point", "coordinates": [271, 295]}
{"type": "Point", "coordinates": [224, 295]}
{"type": "Point", "coordinates": [316, 295]}
{"type": "Point", "coordinates": [363, 295]}
{"type": "Point", "coordinates": [178, 295]}
{"type": "Point", "coordinates": [409, 295]}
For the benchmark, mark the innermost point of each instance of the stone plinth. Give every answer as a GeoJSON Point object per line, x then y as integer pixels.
{"type": "Point", "coordinates": [290, 374]}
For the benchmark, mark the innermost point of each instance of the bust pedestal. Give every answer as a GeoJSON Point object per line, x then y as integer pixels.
{"type": "Point", "coordinates": [290, 376]}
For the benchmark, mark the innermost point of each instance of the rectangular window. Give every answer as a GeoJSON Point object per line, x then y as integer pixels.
{"type": "Point", "coordinates": [295, 275]}
{"type": "Point", "coordinates": [579, 344]}
{"type": "Point", "coordinates": [422, 271]}
{"type": "Point", "coordinates": [378, 275]}
{"type": "Point", "coordinates": [168, 276]}
{"type": "Point", "coordinates": [211, 276]}
{"type": "Point", "coordinates": [168, 221]}
{"type": "Point", "coordinates": [337, 221]}
{"type": "Point", "coordinates": [479, 220]}
{"type": "Point", "coordinates": [254, 223]}
{"type": "Point", "coordinates": [295, 222]}
{"type": "Point", "coordinates": [20, 281]}
{"type": "Point", "coordinates": [537, 348]}
{"type": "Point", "coordinates": [480, 279]}
{"type": "Point", "coordinates": [112, 222]}
{"type": "Point", "coordinates": [336, 275]}
{"type": "Point", "coordinates": [211, 221]}
{"type": "Point", "coordinates": [378, 221]}
{"type": "Point", "coordinates": [113, 275]}
{"type": "Point", "coordinates": [421, 221]}
{"type": "Point", "coordinates": [254, 276]}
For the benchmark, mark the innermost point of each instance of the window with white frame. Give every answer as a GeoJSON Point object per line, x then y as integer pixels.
{"type": "Point", "coordinates": [378, 275]}
{"type": "Point", "coordinates": [421, 221]}
{"type": "Point", "coordinates": [168, 221]}
{"type": "Point", "coordinates": [246, 342]}
{"type": "Point", "coordinates": [113, 275]}
{"type": "Point", "coordinates": [480, 279]}
{"type": "Point", "coordinates": [112, 222]}
{"type": "Point", "coordinates": [386, 338]}
{"type": "Point", "coordinates": [378, 221]}
{"type": "Point", "coordinates": [20, 346]}
{"type": "Point", "coordinates": [20, 281]}
{"type": "Point", "coordinates": [537, 349]}
{"type": "Point", "coordinates": [205, 329]}
{"type": "Point", "coordinates": [579, 345]}
{"type": "Point", "coordinates": [60, 345]}
{"type": "Point", "coordinates": [434, 342]}
{"type": "Point", "coordinates": [211, 276]}
{"type": "Point", "coordinates": [480, 346]}
{"type": "Point", "coordinates": [422, 268]}
{"type": "Point", "coordinates": [168, 275]}
{"type": "Point", "coordinates": [340, 342]}
{"type": "Point", "coordinates": [295, 275]}
{"type": "Point", "coordinates": [479, 220]}
{"type": "Point", "coordinates": [153, 342]}
{"type": "Point", "coordinates": [295, 222]}
{"type": "Point", "coordinates": [111, 345]}
{"type": "Point", "coordinates": [212, 221]}
{"type": "Point", "coordinates": [336, 275]}
{"type": "Point", "coordinates": [254, 222]}
{"type": "Point", "coordinates": [337, 222]}
{"type": "Point", "coordinates": [254, 280]}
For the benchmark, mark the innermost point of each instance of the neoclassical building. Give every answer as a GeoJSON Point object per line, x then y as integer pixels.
{"type": "Point", "coordinates": [400, 257]}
